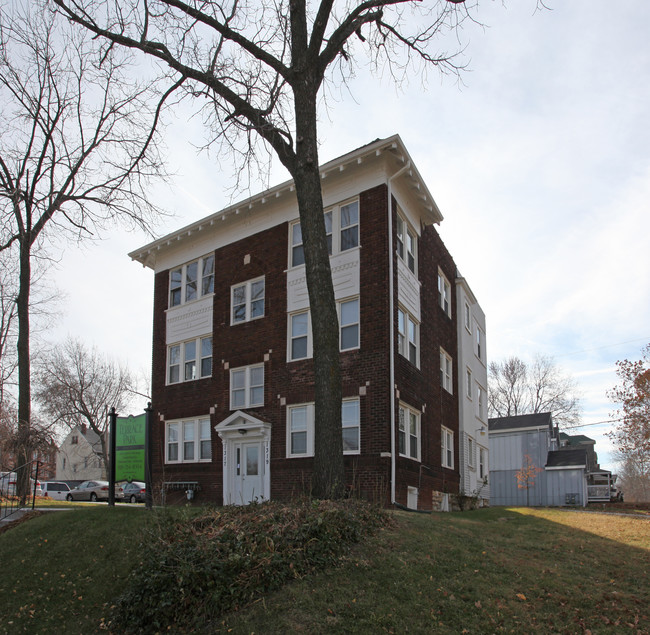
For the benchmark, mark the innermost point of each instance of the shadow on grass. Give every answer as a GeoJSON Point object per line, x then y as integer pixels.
{"type": "Point", "coordinates": [484, 571]}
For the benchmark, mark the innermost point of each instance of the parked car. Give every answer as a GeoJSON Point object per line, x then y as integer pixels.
{"type": "Point", "coordinates": [8, 485]}
{"type": "Point", "coordinates": [134, 492]}
{"type": "Point", "coordinates": [93, 491]}
{"type": "Point", "coordinates": [56, 490]}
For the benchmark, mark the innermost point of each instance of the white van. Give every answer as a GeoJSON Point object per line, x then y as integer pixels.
{"type": "Point", "coordinates": [56, 490]}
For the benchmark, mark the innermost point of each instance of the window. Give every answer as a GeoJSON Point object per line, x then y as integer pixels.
{"type": "Point", "coordinates": [188, 441]}
{"type": "Point", "coordinates": [447, 447]}
{"type": "Point", "coordinates": [406, 244]}
{"type": "Point", "coordinates": [468, 383]}
{"type": "Point", "coordinates": [407, 336]}
{"type": "Point", "coordinates": [247, 301]}
{"type": "Point", "coordinates": [468, 318]}
{"type": "Point", "coordinates": [341, 227]}
{"type": "Point", "coordinates": [300, 333]}
{"type": "Point", "coordinates": [479, 342]}
{"type": "Point", "coordinates": [300, 428]}
{"type": "Point", "coordinates": [351, 425]}
{"type": "Point", "coordinates": [184, 356]}
{"type": "Point", "coordinates": [408, 439]}
{"type": "Point", "coordinates": [482, 463]}
{"type": "Point", "coordinates": [480, 402]}
{"type": "Point", "coordinates": [299, 336]}
{"type": "Point", "coordinates": [74, 440]}
{"type": "Point", "coordinates": [247, 387]}
{"type": "Point", "coordinates": [446, 377]}
{"type": "Point", "coordinates": [471, 451]}
{"type": "Point", "coordinates": [444, 293]}
{"type": "Point", "coordinates": [349, 321]}
{"type": "Point", "coordinates": [191, 281]}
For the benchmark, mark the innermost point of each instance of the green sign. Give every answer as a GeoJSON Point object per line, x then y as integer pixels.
{"type": "Point", "coordinates": [129, 448]}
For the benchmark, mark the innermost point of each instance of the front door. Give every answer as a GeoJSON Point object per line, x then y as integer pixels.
{"type": "Point", "coordinates": [249, 473]}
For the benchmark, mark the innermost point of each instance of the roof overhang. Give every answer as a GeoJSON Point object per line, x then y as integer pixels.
{"type": "Point", "coordinates": [391, 148]}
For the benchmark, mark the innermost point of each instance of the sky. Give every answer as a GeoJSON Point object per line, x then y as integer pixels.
{"type": "Point", "coordinates": [538, 158]}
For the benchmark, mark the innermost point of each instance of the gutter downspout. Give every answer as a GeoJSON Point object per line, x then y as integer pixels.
{"type": "Point", "coordinates": [391, 330]}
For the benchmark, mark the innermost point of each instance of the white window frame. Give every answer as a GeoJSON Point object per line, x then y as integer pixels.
{"type": "Point", "coordinates": [247, 301]}
{"type": "Point", "coordinates": [195, 431]}
{"type": "Point", "coordinates": [204, 281]}
{"type": "Point", "coordinates": [334, 229]}
{"type": "Point", "coordinates": [481, 396]}
{"type": "Point", "coordinates": [447, 448]}
{"type": "Point", "coordinates": [444, 293]}
{"type": "Point", "coordinates": [349, 325]}
{"type": "Point", "coordinates": [183, 362]}
{"type": "Point", "coordinates": [469, 383]}
{"type": "Point", "coordinates": [482, 462]}
{"type": "Point", "coordinates": [309, 336]}
{"type": "Point", "coordinates": [446, 371]}
{"type": "Point", "coordinates": [471, 451]}
{"type": "Point", "coordinates": [408, 336]}
{"type": "Point", "coordinates": [479, 340]}
{"type": "Point", "coordinates": [249, 388]}
{"type": "Point", "coordinates": [408, 419]}
{"type": "Point", "coordinates": [468, 317]}
{"type": "Point", "coordinates": [347, 423]}
{"type": "Point", "coordinates": [407, 244]}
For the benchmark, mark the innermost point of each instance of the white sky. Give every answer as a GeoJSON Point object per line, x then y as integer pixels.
{"type": "Point", "coordinates": [539, 162]}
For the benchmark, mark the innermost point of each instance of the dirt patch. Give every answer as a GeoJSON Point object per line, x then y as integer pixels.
{"type": "Point", "coordinates": [10, 524]}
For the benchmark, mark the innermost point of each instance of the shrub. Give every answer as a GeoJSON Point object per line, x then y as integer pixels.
{"type": "Point", "coordinates": [195, 567]}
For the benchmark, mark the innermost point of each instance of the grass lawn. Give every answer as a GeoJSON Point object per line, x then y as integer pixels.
{"type": "Point", "coordinates": [484, 571]}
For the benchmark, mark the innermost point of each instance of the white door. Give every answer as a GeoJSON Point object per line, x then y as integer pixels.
{"type": "Point", "coordinates": [249, 473]}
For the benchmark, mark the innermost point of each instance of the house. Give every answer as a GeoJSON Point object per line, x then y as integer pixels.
{"type": "Point", "coordinates": [232, 377]}
{"type": "Point", "coordinates": [528, 466]}
{"type": "Point", "coordinates": [80, 456]}
{"type": "Point", "coordinates": [472, 378]}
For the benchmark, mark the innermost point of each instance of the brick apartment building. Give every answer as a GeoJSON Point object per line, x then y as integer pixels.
{"type": "Point", "coordinates": [232, 381]}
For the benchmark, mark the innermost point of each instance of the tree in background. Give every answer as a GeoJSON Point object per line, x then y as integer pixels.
{"type": "Point", "coordinates": [526, 476]}
{"type": "Point", "coordinates": [77, 151]}
{"type": "Point", "coordinates": [77, 386]}
{"type": "Point", "coordinates": [516, 388]}
{"type": "Point", "coordinates": [632, 434]}
{"type": "Point", "coordinates": [258, 70]}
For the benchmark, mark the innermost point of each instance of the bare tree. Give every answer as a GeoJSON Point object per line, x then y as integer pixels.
{"type": "Point", "coordinates": [632, 434]}
{"type": "Point", "coordinates": [517, 388]}
{"type": "Point", "coordinates": [259, 68]}
{"type": "Point", "coordinates": [77, 150]}
{"type": "Point", "coordinates": [77, 386]}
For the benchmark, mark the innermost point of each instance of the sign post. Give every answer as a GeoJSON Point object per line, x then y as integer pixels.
{"type": "Point", "coordinates": [111, 477]}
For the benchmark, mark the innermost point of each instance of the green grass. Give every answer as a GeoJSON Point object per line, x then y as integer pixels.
{"type": "Point", "coordinates": [484, 571]}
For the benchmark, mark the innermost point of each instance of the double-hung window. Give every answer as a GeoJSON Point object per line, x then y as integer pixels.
{"type": "Point", "coordinates": [444, 293]}
{"type": "Point", "coordinates": [446, 371]}
{"type": "Point", "coordinates": [447, 448]}
{"type": "Point", "coordinates": [349, 324]}
{"type": "Point", "coordinates": [408, 438]}
{"type": "Point", "coordinates": [300, 340]}
{"type": "Point", "coordinates": [407, 336]}
{"type": "Point", "coordinates": [468, 383]}
{"type": "Point", "coordinates": [471, 451]}
{"type": "Point", "coordinates": [341, 228]}
{"type": "Point", "coordinates": [407, 244]}
{"type": "Point", "coordinates": [247, 301]}
{"type": "Point", "coordinates": [480, 402]}
{"type": "Point", "coordinates": [300, 428]}
{"type": "Point", "coordinates": [187, 361]}
{"type": "Point", "coordinates": [468, 317]}
{"type": "Point", "coordinates": [191, 281]}
{"type": "Point", "coordinates": [479, 342]}
{"type": "Point", "coordinates": [482, 463]}
{"type": "Point", "coordinates": [247, 387]}
{"type": "Point", "coordinates": [188, 441]}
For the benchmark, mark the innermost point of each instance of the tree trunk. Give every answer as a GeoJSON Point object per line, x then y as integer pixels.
{"type": "Point", "coordinates": [329, 477]}
{"type": "Point", "coordinates": [24, 378]}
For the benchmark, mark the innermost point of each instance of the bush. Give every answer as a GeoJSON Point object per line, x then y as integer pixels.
{"type": "Point", "coordinates": [195, 567]}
